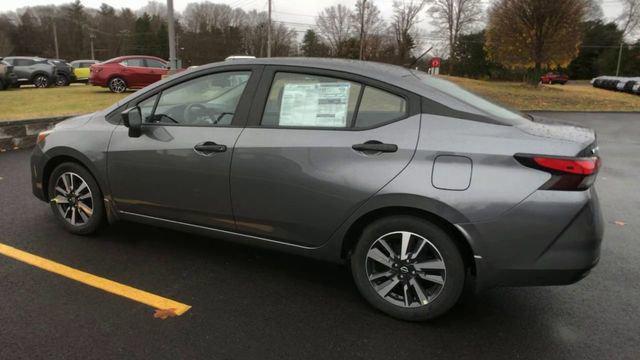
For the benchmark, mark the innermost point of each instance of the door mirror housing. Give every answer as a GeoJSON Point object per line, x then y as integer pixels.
{"type": "Point", "coordinates": [132, 119]}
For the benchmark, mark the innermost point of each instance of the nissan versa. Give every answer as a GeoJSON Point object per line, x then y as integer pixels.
{"type": "Point", "coordinates": [422, 187]}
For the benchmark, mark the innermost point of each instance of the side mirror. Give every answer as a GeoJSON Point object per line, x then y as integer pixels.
{"type": "Point", "coordinates": [132, 118]}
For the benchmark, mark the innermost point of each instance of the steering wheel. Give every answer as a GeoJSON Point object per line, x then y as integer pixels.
{"type": "Point", "coordinates": [191, 110]}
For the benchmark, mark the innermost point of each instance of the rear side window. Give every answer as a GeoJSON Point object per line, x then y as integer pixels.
{"type": "Point", "coordinates": [134, 62]}
{"type": "Point", "coordinates": [155, 63]}
{"type": "Point", "coordinates": [302, 100]}
{"type": "Point", "coordinates": [379, 107]}
{"type": "Point", "coordinates": [23, 62]}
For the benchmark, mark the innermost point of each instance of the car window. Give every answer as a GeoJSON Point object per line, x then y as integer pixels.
{"type": "Point", "coordinates": [146, 108]}
{"type": "Point", "coordinates": [310, 101]}
{"type": "Point", "coordinates": [378, 107]}
{"type": "Point", "coordinates": [23, 62]}
{"type": "Point", "coordinates": [155, 63]}
{"type": "Point", "coordinates": [205, 101]}
{"type": "Point", "coordinates": [134, 62]}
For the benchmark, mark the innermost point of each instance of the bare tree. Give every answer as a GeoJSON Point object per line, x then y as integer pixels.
{"type": "Point", "coordinates": [454, 18]}
{"type": "Point", "coordinates": [367, 22]}
{"type": "Point", "coordinates": [629, 20]}
{"type": "Point", "coordinates": [405, 17]}
{"type": "Point", "coordinates": [522, 33]}
{"type": "Point", "coordinates": [334, 24]}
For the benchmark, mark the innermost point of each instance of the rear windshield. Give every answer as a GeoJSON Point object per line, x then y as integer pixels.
{"type": "Point", "coordinates": [486, 107]}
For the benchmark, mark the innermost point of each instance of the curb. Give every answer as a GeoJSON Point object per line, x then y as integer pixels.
{"type": "Point", "coordinates": [21, 134]}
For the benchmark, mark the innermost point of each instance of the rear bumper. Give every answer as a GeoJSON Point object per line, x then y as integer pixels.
{"type": "Point", "coordinates": [552, 238]}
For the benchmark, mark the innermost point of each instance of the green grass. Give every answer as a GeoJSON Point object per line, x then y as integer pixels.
{"type": "Point", "coordinates": [575, 96]}
{"type": "Point", "coordinates": [30, 102]}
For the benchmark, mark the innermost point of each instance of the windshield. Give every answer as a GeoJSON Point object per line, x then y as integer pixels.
{"type": "Point", "coordinates": [490, 109]}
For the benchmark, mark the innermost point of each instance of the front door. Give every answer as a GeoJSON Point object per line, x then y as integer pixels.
{"type": "Point", "coordinates": [323, 145]}
{"type": "Point", "coordinates": [178, 169]}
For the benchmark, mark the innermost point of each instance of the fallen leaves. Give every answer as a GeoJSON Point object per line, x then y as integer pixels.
{"type": "Point", "coordinates": [620, 223]}
{"type": "Point", "coordinates": [164, 314]}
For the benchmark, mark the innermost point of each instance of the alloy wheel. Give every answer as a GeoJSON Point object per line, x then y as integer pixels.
{"type": "Point", "coordinates": [61, 81]}
{"type": "Point", "coordinates": [405, 269]}
{"type": "Point", "coordinates": [73, 199]}
{"type": "Point", "coordinates": [41, 81]}
{"type": "Point", "coordinates": [117, 85]}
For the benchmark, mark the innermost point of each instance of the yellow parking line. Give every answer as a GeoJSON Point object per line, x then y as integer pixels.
{"type": "Point", "coordinates": [155, 301]}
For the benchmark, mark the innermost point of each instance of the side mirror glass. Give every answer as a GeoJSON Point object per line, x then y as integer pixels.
{"type": "Point", "coordinates": [132, 119]}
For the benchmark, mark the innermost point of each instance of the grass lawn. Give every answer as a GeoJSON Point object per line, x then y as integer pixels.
{"type": "Point", "coordinates": [575, 96]}
{"type": "Point", "coordinates": [30, 102]}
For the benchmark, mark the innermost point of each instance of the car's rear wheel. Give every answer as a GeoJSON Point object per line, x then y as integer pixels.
{"type": "Point", "coordinates": [76, 199]}
{"type": "Point", "coordinates": [117, 85]}
{"type": "Point", "coordinates": [408, 268]}
{"type": "Point", "coordinates": [41, 81]}
{"type": "Point", "coordinates": [62, 80]}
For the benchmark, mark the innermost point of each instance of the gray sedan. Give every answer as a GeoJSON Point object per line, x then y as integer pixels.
{"type": "Point", "coordinates": [423, 188]}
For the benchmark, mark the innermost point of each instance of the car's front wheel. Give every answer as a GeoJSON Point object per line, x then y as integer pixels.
{"type": "Point", "coordinates": [62, 80]}
{"type": "Point", "coordinates": [76, 199]}
{"type": "Point", "coordinates": [117, 85]}
{"type": "Point", "coordinates": [408, 268]}
{"type": "Point", "coordinates": [41, 81]}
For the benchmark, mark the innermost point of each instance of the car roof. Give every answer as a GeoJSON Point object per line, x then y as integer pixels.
{"type": "Point", "coordinates": [88, 60]}
{"type": "Point", "coordinates": [25, 57]}
{"type": "Point", "coordinates": [126, 57]}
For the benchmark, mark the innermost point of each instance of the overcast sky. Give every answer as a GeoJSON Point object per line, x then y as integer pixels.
{"type": "Point", "coordinates": [296, 13]}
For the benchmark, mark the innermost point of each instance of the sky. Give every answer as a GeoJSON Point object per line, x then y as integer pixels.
{"type": "Point", "coordinates": [296, 13]}
{"type": "Point", "coordinates": [302, 11]}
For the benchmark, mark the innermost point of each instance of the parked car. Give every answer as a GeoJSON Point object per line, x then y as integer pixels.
{"type": "Point", "coordinates": [33, 70]}
{"type": "Point", "coordinates": [64, 72]}
{"type": "Point", "coordinates": [423, 187]}
{"type": "Point", "coordinates": [636, 88]}
{"type": "Point", "coordinates": [554, 78]}
{"type": "Point", "coordinates": [128, 72]}
{"type": "Point", "coordinates": [81, 69]}
{"type": "Point", "coordinates": [7, 76]}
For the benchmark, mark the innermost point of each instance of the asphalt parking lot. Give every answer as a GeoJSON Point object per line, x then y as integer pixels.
{"type": "Point", "coordinates": [255, 304]}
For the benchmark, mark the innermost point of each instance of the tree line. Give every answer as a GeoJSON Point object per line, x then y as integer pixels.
{"type": "Point", "coordinates": [513, 39]}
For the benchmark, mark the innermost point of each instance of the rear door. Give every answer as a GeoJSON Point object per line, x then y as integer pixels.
{"type": "Point", "coordinates": [135, 72]}
{"type": "Point", "coordinates": [178, 169]}
{"type": "Point", "coordinates": [155, 70]}
{"type": "Point", "coordinates": [317, 146]}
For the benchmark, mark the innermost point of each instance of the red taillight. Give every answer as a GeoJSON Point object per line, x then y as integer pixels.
{"type": "Point", "coordinates": [581, 166]}
{"type": "Point", "coordinates": [567, 173]}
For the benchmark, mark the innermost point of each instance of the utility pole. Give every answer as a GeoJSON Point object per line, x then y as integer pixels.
{"type": "Point", "coordinates": [362, 9]}
{"type": "Point", "coordinates": [619, 58]}
{"type": "Point", "coordinates": [91, 38]}
{"type": "Point", "coordinates": [173, 63]}
{"type": "Point", "coordinates": [269, 32]}
{"type": "Point", "coordinates": [55, 39]}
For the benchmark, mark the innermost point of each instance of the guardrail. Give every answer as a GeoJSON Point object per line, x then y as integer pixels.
{"type": "Point", "coordinates": [20, 134]}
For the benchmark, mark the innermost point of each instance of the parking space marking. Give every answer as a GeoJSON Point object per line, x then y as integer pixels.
{"type": "Point", "coordinates": [155, 301]}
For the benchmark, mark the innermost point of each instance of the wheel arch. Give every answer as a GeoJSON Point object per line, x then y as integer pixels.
{"type": "Point", "coordinates": [61, 155]}
{"type": "Point", "coordinates": [445, 222]}
{"type": "Point", "coordinates": [40, 72]}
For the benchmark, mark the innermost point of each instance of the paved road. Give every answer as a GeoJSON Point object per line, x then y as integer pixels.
{"type": "Point", "coordinates": [256, 304]}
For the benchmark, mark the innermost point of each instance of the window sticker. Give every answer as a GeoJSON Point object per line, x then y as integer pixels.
{"type": "Point", "coordinates": [319, 104]}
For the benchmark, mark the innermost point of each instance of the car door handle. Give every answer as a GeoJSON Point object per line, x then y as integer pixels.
{"type": "Point", "coordinates": [375, 146]}
{"type": "Point", "coordinates": [209, 147]}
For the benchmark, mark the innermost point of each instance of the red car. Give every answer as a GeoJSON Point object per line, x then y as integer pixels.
{"type": "Point", "coordinates": [128, 72]}
{"type": "Point", "coordinates": [554, 78]}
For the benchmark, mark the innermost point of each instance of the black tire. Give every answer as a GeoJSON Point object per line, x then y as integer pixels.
{"type": "Point", "coordinates": [62, 80]}
{"type": "Point", "coordinates": [117, 85]}
{"type": "Point", "coordinates": [454, 282]}
{"type": "Point", "coordinates": [97, 219]}
{"type": "Point", "coordinates": [41, 81]}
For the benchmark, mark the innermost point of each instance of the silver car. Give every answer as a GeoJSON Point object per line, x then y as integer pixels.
{"type": "Point", "coordinates": [422, 187]}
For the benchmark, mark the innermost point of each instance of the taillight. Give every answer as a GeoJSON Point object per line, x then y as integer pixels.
{"type": "Point", "coordinates": [43, 135]}
{"type": "Point", "coordinates": [567, 173]}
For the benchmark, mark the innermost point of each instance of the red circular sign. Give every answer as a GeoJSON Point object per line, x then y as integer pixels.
{"type": "Point", "coordinates": [435, 62]}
